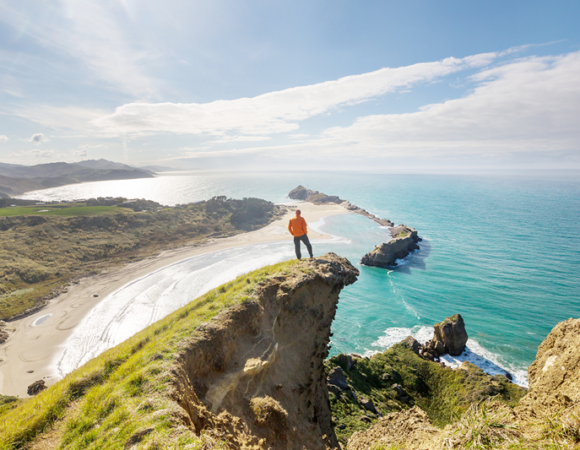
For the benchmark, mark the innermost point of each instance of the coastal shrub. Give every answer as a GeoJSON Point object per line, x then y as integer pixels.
{"type": "Point", "coordinates": [444, 394]}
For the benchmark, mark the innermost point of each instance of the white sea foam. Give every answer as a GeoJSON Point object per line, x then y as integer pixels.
{"type": "Point", "coordinates": [474, 352]}
{"type": "Point", "coordinates": [146, 300]}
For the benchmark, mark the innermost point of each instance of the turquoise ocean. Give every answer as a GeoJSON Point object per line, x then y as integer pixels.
{"type": "Point", "coordinates": [503, 251]}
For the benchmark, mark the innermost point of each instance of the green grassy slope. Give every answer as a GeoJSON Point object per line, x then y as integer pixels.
{"type": "Point", "coordinates": [123, 393]}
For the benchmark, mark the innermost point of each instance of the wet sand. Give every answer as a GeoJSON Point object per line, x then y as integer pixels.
{"type": "Point", "coordinates": [28, 354]}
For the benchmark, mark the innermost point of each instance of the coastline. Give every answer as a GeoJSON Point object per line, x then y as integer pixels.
{"type": "Point", "coordinates": [33, 348]}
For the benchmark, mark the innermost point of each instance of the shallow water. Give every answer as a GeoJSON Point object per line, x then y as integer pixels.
{"type": "Point", "coordinates": [503, 251]}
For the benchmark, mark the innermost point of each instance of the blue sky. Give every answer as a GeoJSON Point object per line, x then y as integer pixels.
{"type": "Point", "coordinates": [378, 85]}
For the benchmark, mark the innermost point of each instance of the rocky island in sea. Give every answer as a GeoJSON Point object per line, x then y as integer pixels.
{"type": "Point", "coordinates": [404, 239]}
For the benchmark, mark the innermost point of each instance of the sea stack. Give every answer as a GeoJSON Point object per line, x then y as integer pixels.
{"type": "Point", "coordinates": [404, 241]}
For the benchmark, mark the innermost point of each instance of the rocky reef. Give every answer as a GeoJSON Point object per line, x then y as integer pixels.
{"type": "Point", "coordinates": [404, 240]}
{"type": "Point", "coordinates": [318, 198]}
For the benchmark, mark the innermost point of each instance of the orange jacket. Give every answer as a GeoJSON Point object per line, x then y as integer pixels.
{"type": "Point", "coordinates": [297, 226]}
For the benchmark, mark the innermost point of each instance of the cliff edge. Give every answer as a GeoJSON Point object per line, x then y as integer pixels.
{"type": "Point", "coordinates": [240, 367]}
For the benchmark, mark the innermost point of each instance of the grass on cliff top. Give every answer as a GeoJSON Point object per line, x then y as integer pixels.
{"type": "Point", "coordinates": [122, 394]}
{"type": "Point", "coordinates": [444, 394]}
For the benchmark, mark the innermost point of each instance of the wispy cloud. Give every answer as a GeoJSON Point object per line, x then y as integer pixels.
{"type": "Point", "coordinates": [528, 106]}
{"type": "Point", "coordinates": [3, 138]}
{"type": "Point", "coordinates": [531, 103]}
{"type": "Point", "coordinates": [36, 153]}
{"type": "Point", "coordinates": [280, 111]}
{"type": "Point", "coordinates": [60, 117]}
{"type": "Point", "coordinates": [95, 33]}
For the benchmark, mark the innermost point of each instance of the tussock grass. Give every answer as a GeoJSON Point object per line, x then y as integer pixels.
{"type": "Point", "coordinates": [122, 394]}
{"type": "Point", "coordinates": [484, 425]}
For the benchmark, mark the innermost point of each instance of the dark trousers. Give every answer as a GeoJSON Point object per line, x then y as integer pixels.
{"type": "Point", "coordinates": [303, 238]}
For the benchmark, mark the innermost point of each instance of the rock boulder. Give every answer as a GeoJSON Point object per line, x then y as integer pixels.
{"type": "Point", "coordinates": [451, 335]}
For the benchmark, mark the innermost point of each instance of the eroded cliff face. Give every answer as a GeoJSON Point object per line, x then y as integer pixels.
{"type": "Point", "coordinates": [255, 376]}
{"type": "Point", "coordinates": [554, 376]}
{"type": "Point", "coordinates": [385, 255]}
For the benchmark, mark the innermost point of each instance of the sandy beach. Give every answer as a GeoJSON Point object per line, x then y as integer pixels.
{"type": "Point", "coordinates": [31, 348]}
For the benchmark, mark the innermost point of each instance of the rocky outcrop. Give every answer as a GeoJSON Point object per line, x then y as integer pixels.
{"type": "Point", "coordinates": [256, 373]}
{"type": "Point", "coordinates": [554, 376]}
{"type": "Point", "coordinates": [318, 198]}
{"type": "Point", "coordinates": [449, 337]}
{"type": "Point", "coordinates": [404, 240]}
{"type": "Point", "coordinates": [36, 387]}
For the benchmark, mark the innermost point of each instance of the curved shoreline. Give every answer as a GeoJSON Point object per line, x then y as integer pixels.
{"type": "Point", "coordinates": [33, 348]}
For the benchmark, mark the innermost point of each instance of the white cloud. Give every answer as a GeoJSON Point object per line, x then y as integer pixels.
{"type": "Point", "coordinates": [3, 138]}
{"type": "Point", "coordinates": [528, 104]}
{"type": "Point", "coordinates": [83, 153]}
{"type": "Point", "coordinates": [279, 111]}
{"type": "Point", "coordinates": [38, 138]}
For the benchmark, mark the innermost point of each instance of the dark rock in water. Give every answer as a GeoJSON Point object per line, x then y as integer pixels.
{"type": "Point", "coordinates": [385, 255]}
{"type": "Point", "coordinates": [412, 343]}
{"type": "Point", "coordinates": [451, 335]}
{"type": "Point", "coordinates": [509, 376]}
{"type": "Point", "coordinates": [36, 387]}
{"type": "Point", "coordinates": [337, 378]}
{"type": "Point", "coordinates": [368, 405]}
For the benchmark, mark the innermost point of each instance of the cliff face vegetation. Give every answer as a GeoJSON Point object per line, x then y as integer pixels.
{"type": "Point", "coordinates": [40, 253]}
{"type": "Point", "coordinates": [399, 379]}
{"type": "Point", "coordinates": [240, 367]}
{"type": "Point", "coordinates": [547, 417]}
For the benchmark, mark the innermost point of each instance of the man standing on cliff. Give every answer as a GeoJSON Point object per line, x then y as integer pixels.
{"type": "Point", "coordinates": [297, 227]}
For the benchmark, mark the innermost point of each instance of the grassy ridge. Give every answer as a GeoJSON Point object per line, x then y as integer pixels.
{"type": "Point", "coordinates": [41, 253]}
{"type": "Point", "coordinates": [122, 392]}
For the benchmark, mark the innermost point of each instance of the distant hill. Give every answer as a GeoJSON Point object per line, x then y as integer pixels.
{"type": "Point", "coordinates": [17, 179]}
{"type": "Point", "coordinates": [103, 164]}
{"type": "Point", "coordinates": [157, 168]}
